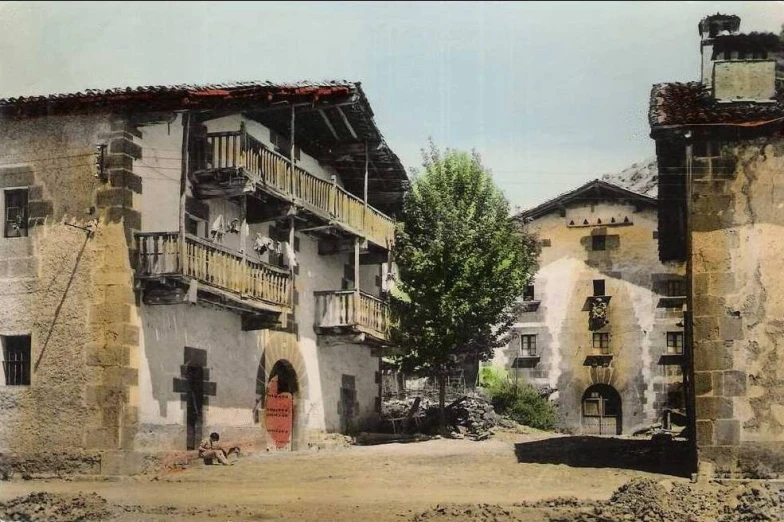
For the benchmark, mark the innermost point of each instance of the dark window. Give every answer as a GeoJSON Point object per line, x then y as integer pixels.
{"type": "Point", "coordinates": [528, 345]}
{"type": "Point", "coordinates": [528, 294]}
{"type": "Point", "coordinates": [674, 342]}
{"type": "Point", "coordinates": [16, 360]}
{"type": "Point", "coordinates": [598, 242]}
{"type": "Point", "coordinates": [16, 213]}
{"type": "Point", "coordinates": [601, 342]}
{"type": "Point", "coordinates": [598, 287]}
{"type": "Point", "coordinates": [191, 226]}
{"type": "Point", "coordinates": [676, 288]}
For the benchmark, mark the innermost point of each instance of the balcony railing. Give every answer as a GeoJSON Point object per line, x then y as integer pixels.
{"type": "Point", "coordinates": [349, 308]}
{"type": "Point", "coordinates": [273, 173]}
{"type": "Point", "coordinates": [164, 254]}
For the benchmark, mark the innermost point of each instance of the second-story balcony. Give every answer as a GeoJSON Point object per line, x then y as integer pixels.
{"type": "Point", "coordinates": [168, 265]}
{"type": "Point", "coordinates": [351, 311]}
{"type": "Point", "coordinates": [232, 163]}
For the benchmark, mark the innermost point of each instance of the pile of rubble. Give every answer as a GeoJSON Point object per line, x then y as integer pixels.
{"type": "Point", "coordinates": [56, 508]}
{"type": "Point", "coordinates": [470, 416]}
{"type": "Point", "coordinates": [639, 500]}
{"type": "Point", "coordinates": [646, 500]}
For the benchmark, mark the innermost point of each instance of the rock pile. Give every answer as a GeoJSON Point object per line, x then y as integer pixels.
{"type": "Point", "coordinates": [639, 500]}
{"type": "Point", "coordinates": [756, 503]}
{"type": "Point", "coordinates": [56, 508]}
{"type": "Point", "coordinates": [470, 416]}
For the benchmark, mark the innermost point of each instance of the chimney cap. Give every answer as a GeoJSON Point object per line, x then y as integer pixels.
{"type": "Point", "coordinates": [730, 23]}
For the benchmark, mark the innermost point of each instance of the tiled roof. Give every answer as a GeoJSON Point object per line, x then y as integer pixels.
{"type": "Point", "coordinates": [212, 89]}
{"type": "Point", "coordinates": [591, 191]}
{"type": "Point", "coordinates": [692, 104]}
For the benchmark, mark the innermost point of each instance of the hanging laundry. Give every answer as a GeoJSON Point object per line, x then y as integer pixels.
{"type": "Point", "coordinates": [291, 257]}
{"type": "Point", "coordinates": [218, 228]}
{"type": "Point", "coordinates": [263, 244]}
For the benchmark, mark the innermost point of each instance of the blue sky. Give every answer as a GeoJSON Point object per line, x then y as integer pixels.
{"type": "Point", "coordinates": [551, 94]}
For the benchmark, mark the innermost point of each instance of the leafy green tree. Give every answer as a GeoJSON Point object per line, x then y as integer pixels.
{"type": "Point", "coordinates": [463, 262]}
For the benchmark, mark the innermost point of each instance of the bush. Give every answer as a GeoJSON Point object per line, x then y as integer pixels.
{"type": "Point", "coordinates": [522, 403]}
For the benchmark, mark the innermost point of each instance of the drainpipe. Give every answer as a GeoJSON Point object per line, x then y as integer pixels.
{"type": "Point", "coordinates": [688, 370]}
{"type": "Point", "coordinates": [186, 124]}
{"type": "Point", "coordinates": [356, 280]}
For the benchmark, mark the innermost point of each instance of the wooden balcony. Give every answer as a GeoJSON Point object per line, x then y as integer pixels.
{"type": "Point", "coordinates": [350, 311]}
{"type": "Point", "coordinates": [167, 265]}
{"type": "Point", "coordinates": [231, 163]}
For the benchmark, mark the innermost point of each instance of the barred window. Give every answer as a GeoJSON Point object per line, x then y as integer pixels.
{"type": "Point", "coordinates": [16, 360]}
{"type": "Point", "coordinates": [676, 288]}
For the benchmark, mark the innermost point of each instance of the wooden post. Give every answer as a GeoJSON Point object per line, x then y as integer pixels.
{"type": "Point", "coordinates": [243, 243]}
{"type": "Point", "coordinates": [291, 155]}
{"type": "Point", "coordinates": [364, 215]}
{"type": "Point", "coordinates": [291, 265]}
{"type": "Point", "coordinates": [356, 280]}
{"type": "Point", "coordinates": [186, 123]}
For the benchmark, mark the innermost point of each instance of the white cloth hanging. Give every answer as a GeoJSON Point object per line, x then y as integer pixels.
{"type": "Point", "coordinates": [291, 257]}
{"type": "Point", "coordinates": [218, 227]}
{"type": "Point", "coordinates": [263, 243]}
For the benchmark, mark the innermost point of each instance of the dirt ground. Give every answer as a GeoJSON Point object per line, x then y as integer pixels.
{"type": "Point", "coordinates": [496, 479]}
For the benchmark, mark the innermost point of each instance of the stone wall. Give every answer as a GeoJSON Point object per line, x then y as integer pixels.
{"type": "Point", "coordinates": [70, 288]}
{"type": "Point", "coordinates": [738, 237]}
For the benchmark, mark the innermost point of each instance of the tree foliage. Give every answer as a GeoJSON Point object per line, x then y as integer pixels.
{"type": "Point", "coordinates": [462, 261]}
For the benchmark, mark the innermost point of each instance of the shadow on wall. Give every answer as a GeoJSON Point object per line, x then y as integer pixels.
{"type": "Point", "coordinates": [668, 458]}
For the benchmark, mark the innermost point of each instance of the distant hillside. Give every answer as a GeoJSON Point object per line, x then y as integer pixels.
{"type": "Point", "coordinates": [641, 177]}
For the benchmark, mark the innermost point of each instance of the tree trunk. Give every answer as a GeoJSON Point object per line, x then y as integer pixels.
{"type": "Point", "coordinates": [441, 404]}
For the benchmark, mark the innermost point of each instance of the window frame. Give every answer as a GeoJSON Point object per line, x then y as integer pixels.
{"type": "Point", "coordinates": [596, 242]}
{"type": "Point", "coordinates": [528, 345]}
{"type": "Point", "coordinates": [529, 294]}
{"type": "Point", "coordinates": [604, 342]}
{"type": "Point", "coordinates": [599, 287]}
{"type": "Point", "coordinates": [17, 355]}
{"type": "Point", "coordinates": [675, 288]}
{"type": "Point", "coordinates": [7, 222]}
{"type": "Point", "coordinates": [674, 343]}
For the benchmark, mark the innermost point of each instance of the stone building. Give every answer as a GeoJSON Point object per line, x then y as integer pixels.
{"type": "Point", "coordinates": [720, 152]}
{"type": "Point", "coordinates": [602, 321]}
{"type": "Point", "coordinates": [171, 255]}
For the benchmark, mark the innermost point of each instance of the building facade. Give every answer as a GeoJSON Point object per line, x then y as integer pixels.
{"type": "Point", "coordinates": [602, 321]}
{"type": "Point", "coordinates": [720, 152]}
{"type": "Point", "coordinates": [172, 256]}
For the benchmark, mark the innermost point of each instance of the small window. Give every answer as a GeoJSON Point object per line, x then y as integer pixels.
{"type": "Point", "coordinates": [675, 342]}
{"type": "Point", "coordinates": [598, 242]}
{"type": "Point", "coordinates": [528, 345]}
{"type": "Point", "coordinates": [16, 360]}
{"type": "Point", "coordinates": [528, 294]}
{"type": "Point", "coordinates": [676, 288]}
{"type": "Point", "coordinates": [598, 287]}
{"type": "Point", "coordinates": [601, 342]}
{"type": "Point", "coordinates": [16, 213]}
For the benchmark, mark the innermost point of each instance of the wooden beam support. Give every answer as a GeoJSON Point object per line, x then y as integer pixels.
{"type": "Point", "coordinates": [346, 123]}
{"type": "Point", "coordinates": [328, 123]}
{"type": "Point", "coordinates": [328, 247]}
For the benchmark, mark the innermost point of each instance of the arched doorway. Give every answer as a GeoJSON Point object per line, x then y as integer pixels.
{"type": "Point", "coordinates": [601, 410]}
{"type": "Point", "coordinates": [280, 404]}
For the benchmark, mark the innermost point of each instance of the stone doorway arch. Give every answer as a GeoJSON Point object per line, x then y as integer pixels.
{"type": "Point", "coordinates": [601, 410]}
{"type": "Point", "coordinates": [282, 393]}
